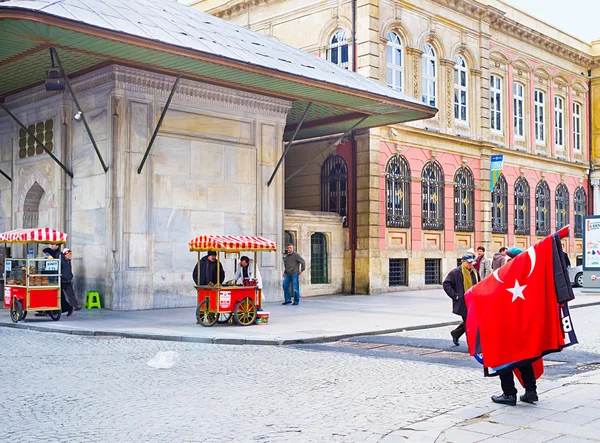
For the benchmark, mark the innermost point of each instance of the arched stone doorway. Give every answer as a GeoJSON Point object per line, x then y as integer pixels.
{"type": "Point", "coordinates": [31, 211]}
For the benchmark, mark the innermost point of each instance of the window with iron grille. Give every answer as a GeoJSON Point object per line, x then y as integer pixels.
{"type": "Point", "coordinates": [522, 206]}
{"type": "Point", "coordinates": [318, 259]}
{"type": "Point", "coordinates": [464, 196]}
{"type": "Point", "coordinates": [44, 131]}
{"type": "Point", "coordinates": [433, 271]}
{"type": "Point", "coordinates": [432, 196]}
{"type": "Point", "coordinates": [500, 206]}
{"type": "Point", "coordinates": [398, 272]}
{"type": "Point", "coordinates": [397, 175]}
{"type": "Point", "coordinates": [580, 201]}
{"type": "Point", "coordinates": [542, 208]}
{"type": "Point", "coordinates": [337, 52]}
{"type": "Point", "coordinates": [561, 199]}
{"type": "Point", "coordinates": [334, 186]}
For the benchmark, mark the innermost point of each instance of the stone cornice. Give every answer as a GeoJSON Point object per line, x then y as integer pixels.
{"type": "Point", "coordinates": [137, 80]}
{"type": "Point", "coordinates": [498, 21]}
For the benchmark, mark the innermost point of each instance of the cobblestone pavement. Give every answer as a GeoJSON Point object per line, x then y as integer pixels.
{"type": "Point", "coordinates": [59, 387]}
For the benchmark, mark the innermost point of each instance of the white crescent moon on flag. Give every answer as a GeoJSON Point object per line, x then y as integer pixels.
{"type": "Point", "coordinates": [531, 252]}
{"type": "Point", "coordinates": [496, 276]}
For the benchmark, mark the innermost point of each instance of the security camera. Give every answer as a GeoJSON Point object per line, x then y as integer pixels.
{"type": "Point", "coordinates": [77, 116]}
{"type": "Point", "coordinates": [393, 132]}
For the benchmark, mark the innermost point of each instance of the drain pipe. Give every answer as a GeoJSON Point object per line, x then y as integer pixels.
{"type": "Point", "coordinates": [354, 226]}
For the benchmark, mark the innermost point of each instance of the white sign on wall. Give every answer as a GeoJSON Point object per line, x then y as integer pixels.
{"type": "Point", "coordinates": [591, 243]}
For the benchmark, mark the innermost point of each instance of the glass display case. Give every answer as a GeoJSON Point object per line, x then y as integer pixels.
{"type": "Point", "coordinates": [32, 273]}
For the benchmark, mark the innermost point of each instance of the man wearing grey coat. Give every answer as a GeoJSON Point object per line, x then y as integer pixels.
{"type": "Point", "coordinates": [482, 264]}
{"type": "Point", "coordinates": [294, 266]}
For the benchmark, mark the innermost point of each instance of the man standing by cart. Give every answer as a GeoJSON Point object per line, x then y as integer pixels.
{"type": "Point", "coordinates": [208, 270]}
{"type": "Point", "coordinates": [67, 277]}
{"type": "Point", "coordinates": [294, 267]}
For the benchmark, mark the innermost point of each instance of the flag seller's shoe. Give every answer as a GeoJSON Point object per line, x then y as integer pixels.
{"type": "Point", "coordinates": [504, 399]}
{"type": "Point", "coordinates": [529, 397]}
{"type": "Point", "coordinates": [454, 339]}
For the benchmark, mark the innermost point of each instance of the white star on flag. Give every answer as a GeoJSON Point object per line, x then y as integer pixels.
{"type": "Point", "coordinates": [517, 291]}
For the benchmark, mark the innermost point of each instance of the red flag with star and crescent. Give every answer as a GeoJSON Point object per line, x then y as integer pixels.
{"type": "Point", "coordinates": [519, 313]}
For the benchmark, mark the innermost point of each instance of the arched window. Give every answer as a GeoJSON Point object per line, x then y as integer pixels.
{"type": "Point", "coordinates": [334, 186]}
{"type": "Point", "coordinates": [522, 206]}
{"type": "Point", "coordinates": [559, 122]}
{"type": "Point", "coordinates": [394, 58]}
{"type": "Point", "coordinates": [397, 188]}
{"type": "Point", "coordinates": [337, 52]}
{"type": "Point", "coordinates": [318, 259]}
{"type": "Point", "coordinates": [429, 87]}
{"type": "Point", "coordinates": [542, 208]}
{"type": "Point", "coordinates": [500, 206]}
{"type": "Point", "coordinates": [519, 109]}
{"type": "Point", "coordinates": [290, 239]}
{"type": "Point", "coordinates": [432, 196]}
{"type": "Point", "coordinates": [580, 201]}
{"type": "Point", "coordinates": [562, 206]}
{"type": "Point", "coordinates": [460, 89]}
{"type": "Point", "coordinates": [464, 200]}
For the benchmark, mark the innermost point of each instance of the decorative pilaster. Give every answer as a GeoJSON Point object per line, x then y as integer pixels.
{"type": "Point", "coordinates": [446, 91]}
{"type": "Point", "coordinates": [413, 76]}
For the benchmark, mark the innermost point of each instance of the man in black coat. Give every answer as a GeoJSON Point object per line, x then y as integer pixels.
{"type": "Point", "coordinates": [67, 292]}
{"type": "Point", "coordinates": [208, 270]}
{"type": "Point", "coordinates": [455, 286]}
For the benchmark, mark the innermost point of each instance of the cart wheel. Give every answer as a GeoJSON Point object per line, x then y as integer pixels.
{"type": "Point", "coordinates": [16, 311]}
{"type": "Point", "coordinates": [245, 312]}
{"type": "Point", "coordinates": [24, 315]}
{"type": "Point", "coordinates": [204, 316]}
{"type": "Point", "coordinates": [55, 315]}
{"type": "Point", "coordinates": [224, 318]}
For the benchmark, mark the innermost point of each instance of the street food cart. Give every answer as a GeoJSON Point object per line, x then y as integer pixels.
{"type": "Point", "coordinates": [219, 303]}
{"type": "Point", "coordinates": [32, 284]}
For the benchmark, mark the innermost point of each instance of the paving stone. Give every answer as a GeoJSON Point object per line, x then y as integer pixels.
{"type": "Point", "coordinates": [457, 435]}
{"type": "Point", "coordinates": [531, 435]}
{"type": "Point", "coordinates": [489, 428]}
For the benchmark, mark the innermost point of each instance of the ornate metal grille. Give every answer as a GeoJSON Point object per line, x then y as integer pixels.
{"type": "Point", "coordinates": [398, 271]}
{"type": "Point", "coordinates": [464, 197]}
{"type": "Point", "coordinates": [522, 207]}
{"type": "Point", "coordinates": [432, 196]}
{"type": "Point", "coordinates": [334, 186]}
{"type": "Point", "coordinates": [398, 192]}
{"type": "Point", "coordinates": [318, 259]}
{"type": "Point", "coordinates": [562, 206]}
{"type": "Point", "coordinates": [580, 201]}
{"type": "Point", "coordinates": [433, 271]}
{"type": "Point", "coordinates": [542, 208]}
{"type": "Point", "coordinates": [500, 206]}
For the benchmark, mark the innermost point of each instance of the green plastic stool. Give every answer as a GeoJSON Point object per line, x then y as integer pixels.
{"type": "Point", "coordinates": [92, 300]}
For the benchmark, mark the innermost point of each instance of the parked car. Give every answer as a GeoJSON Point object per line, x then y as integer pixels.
{"type": "Point", "coordinates": [576, 276]}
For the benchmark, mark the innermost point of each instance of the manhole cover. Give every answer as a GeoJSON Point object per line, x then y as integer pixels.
{"type": "Point", "coordinates": [589, 367]}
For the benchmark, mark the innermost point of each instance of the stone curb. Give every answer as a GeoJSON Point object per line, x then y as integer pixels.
{"type": "Point", "coordinates": [239, 341]}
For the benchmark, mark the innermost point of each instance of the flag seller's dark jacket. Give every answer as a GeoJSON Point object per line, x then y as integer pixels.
{"type": "Point", "coordinates": [454, 286]}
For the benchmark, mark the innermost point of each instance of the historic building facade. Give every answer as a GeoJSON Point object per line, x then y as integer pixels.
{"type": "Point", "coordinates": [414, 197]}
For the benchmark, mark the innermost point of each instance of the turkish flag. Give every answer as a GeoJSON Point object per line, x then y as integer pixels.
{"type": "Point", "coordinates": [514, 315]}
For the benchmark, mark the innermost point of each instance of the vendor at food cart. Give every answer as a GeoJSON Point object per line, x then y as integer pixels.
{"type": "Point", "coordinates": [67, 277]}
{"type": "Point", "coordinates": [208, 270]}
{"type": "Point", "coordinates": [245, 270]}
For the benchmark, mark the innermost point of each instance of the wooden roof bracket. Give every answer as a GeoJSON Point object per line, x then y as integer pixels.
{"type": "Point", "coordinates": [158, 125]}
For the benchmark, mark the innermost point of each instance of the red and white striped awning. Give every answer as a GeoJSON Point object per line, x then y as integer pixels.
{"type": "Point", "coordinates": [37, 235]}
{"type": "Point", "coordinates": [231, 243]}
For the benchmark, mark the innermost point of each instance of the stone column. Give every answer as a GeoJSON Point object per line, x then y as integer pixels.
{"type": "Point", "coordinates": [446, 93]}
{"type": "Point", "coordinates": [367, 38]}
{"type": "Point", "coordinates": [412, 71]}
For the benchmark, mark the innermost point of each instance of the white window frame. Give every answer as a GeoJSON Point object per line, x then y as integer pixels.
{"type": "Point", "coordinates": [395, 63]}
{"type": "Point", "coordinates": [342, 40]}
{"type": "Point", "coordinates": [519, 109]}
{"type": "Point", "coordinates": [539, 109]}
{"type": "Point", "coordinates": [429, 76]}
{"type": "Point", "coordinates": [559, 122]}
{"type": "Point", "coordinates": [496, 103]}
{"type": "Point", "coordinates": [461, 90]}
{"type": "Point", "coordinates": [577, 139]}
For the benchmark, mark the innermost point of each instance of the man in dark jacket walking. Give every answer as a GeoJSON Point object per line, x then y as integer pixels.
{"type": "Point", "coordinates": [208, 270]}
{"type": "Point", "coordinates": [66, 278]}
{"type": "Point", "coordinates": [457, 282]}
